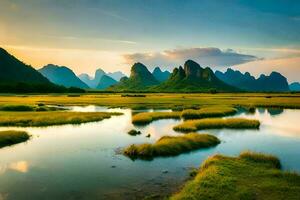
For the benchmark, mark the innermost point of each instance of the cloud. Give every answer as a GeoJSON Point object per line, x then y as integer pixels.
{"type": "Point", "coordinates": [213, 57]}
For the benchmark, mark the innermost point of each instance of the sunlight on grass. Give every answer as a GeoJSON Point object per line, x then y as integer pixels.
{"type": "Point", "coordinates": [207, 112]}
{"type": "Point", "coordinates": [171, 146]}
{"type": "Point", "coordinates": [249, 176]}
{"type": "Point", "coordinates": [217, 123]}
{"type": "Point", "coordinates": [51, 118]}
{"type": "Point", "coordinates": [148, 117]}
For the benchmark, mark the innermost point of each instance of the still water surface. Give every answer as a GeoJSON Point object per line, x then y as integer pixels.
{"type": "Point", "coordinates": [80, 161]}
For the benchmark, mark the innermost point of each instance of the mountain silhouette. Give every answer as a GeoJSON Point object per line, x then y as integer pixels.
{"type": "Point", "coordinates": [275, 82]}
{"type": "Point", "coordinates": [17, 77]}
{"type": "Point", "coordinates": [140, 79]}
{"type": "Point", "coordinates": [160, 75]}
{"type": "Point", "coordinates": [193, 78]}
{"type": "Point", "coordinates": [13, 70]}
{"type": "Point", "coordinates": [61, 75]}
{"type": "Point", "coordinates": [294, 86]}
{"type": "Point", "coordinates": [105, 82]}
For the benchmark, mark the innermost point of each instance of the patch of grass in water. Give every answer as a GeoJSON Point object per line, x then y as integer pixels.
{"type": "Point", "coordinates": [216, 123]}
{"type": "Point", "coordinates": [134, 132]}
{"type": "Point", "coordinates": [8, 138]}
{"type": "Point", "coordinates": [249, 176]}
{"type": "Point", "coordinates": [27, 119]}
{"type": "Point", "coordinates": [148, 117]}
{"type": "Point", "coordinates": [171, 146]}
{"type": "Point", "coordinates": [206, 112]}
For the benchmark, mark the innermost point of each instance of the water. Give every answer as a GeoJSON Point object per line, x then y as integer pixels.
{"type": "Point", "coordinates": [80, 161]}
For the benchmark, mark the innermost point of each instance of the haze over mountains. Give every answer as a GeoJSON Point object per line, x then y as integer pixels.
{"type": "Point", "coordinates": [97, 82]}
{"type": "Point", "coordinates": [16, 76]}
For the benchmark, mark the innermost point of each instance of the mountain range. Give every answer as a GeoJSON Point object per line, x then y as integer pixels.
{"type": "Point", "coordinates": [275, 82]}
{"type": "Point", "coordinates": [97, 82]}
{"type": "Point", "coordinates": [193, 78]}
{"type": "Point", "coordinates": [189, 78]}
{"type": "Point", "coordinates": [61, 75]}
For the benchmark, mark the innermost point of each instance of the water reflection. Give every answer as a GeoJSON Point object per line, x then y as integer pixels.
{"type": "Point", "coordinates": [19, 166]}
{"type": "Point", "coordinates": [75, 162]}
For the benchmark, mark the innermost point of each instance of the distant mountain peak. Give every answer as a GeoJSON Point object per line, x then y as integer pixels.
{"type": "Point", "coordinates": [62, 75]}
{"type": "Point", "coordinates": [160, 75]}
{"type": "Point", "coordinates": [140, 78]}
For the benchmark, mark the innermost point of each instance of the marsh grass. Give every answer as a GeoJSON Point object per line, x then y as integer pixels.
{"type": "Point", "coordinates": [17, 108]}
{"type": "Point", "coordinates": [148, 117]}
{"type": "Point", "coordinates": [208, 112]}
{"type": "Point", "coordinates": [217, 123]}
{"type": "Point", "coordinates": [249, 176]}
{"type": "Point", "coordinates": [28, 108]}
{"type": "Point", "coordinates": [8, 138]}
{"type": "Point", "coordinates": [171, 146]}
{"type": "Point", "coordinates": [27, 119]}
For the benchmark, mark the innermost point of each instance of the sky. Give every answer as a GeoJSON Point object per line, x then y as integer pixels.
{"type": "Point", "coordinates": [259, 36]}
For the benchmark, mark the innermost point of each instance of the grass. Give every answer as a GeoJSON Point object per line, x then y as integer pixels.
{"type": "Point", "coordinates": [207, 112]}
{"type": "Point", "coordinates": [212, 111]}
{"type": "Point", "coordinates": [148, 117]}
{"type": "Point", "coordinates": [8, 138]}
{"type": "Point", "coordinates": [27, 119]}
{"type": "Point", "coordinates": [247, 177]}
{"type": "Point", "coordinates": [171, 146]}
{"type": "Point", "coordinates": [28, 108]}
{"type": "Point", "coordinates": [161, 100]}
{"type": "Point", "coordinates": [217, 123]}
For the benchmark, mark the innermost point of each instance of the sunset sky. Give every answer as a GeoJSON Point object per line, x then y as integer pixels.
{"type": "Point", "coordinates": [252, 35]}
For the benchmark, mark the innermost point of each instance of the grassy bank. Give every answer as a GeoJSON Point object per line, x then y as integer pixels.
{"type": "Point", "coordinates": [206, 112]}
{"type": "Point", "coordinates": [26, 119]}
{"type": "Point", "coordinates": [8, 138]}
{"type": "Point", "coordinates": [217, 123]}
{"type": "Point", "coordinates": [148, 117]}
{"type": "Point", "coordinates": [249, 176]}
{"type": "Point", "coordinates": [171, 146]}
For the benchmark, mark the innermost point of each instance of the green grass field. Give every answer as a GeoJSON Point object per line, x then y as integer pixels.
{"type": "Point", "coordinates": [10, 137]}
{"type": "Point", "coordinates": [171, 146]}
{"type": "Point", "coordinates": [26, 119]}
{"type": "Point", "coordinates": [250, 176]}
{"type": "Point", "coordinates": [217, 123]}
